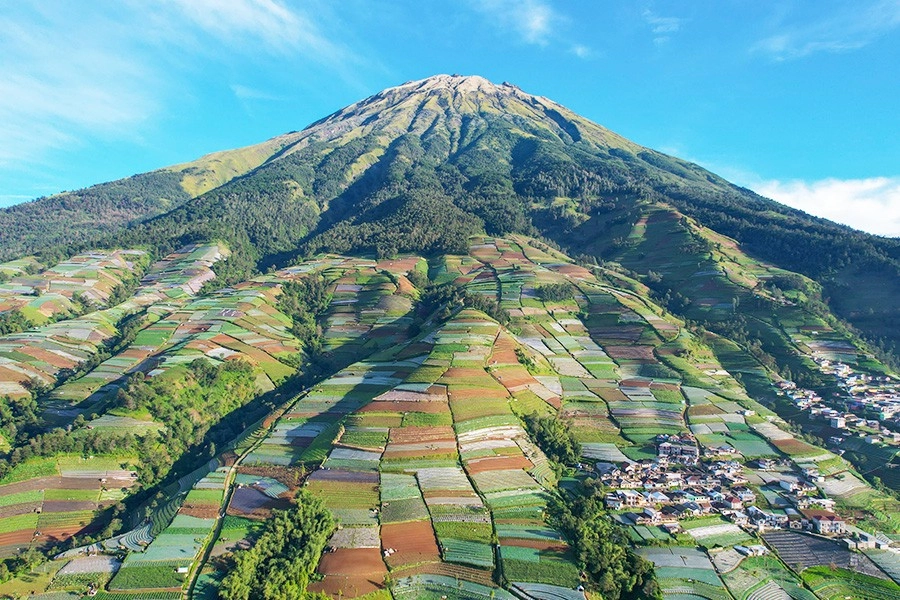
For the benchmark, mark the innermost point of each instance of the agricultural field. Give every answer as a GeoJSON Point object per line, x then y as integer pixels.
{"type": "Point", "coordinates": [412, 434]}
{"type": "Point", "coordinates": [41, 354]}
{"type": "Point", "coordinates": [69, 287]}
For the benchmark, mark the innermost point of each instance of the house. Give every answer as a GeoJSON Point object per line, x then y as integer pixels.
{"type": "Point", "coordinates": [612, 502]}
{"type": "Point", "coordinates": [732, 503]}
{"type": "Point", "coordinates": [754, 550]}
{"type": "Point", "coordinates": [658, 498]}
{"type": "Point", "coordinates": [744, 494]}
{"type": "Point", "coordinates": [653, 516]}
{"type": "Point", "coordinates": [838, 422]}
{"type": "Point", "coordinates": [679, 452]}
{"type": "Point", "coordinates": [738, 517]}
{"type": "Point", "coordinates": [630, 498]}
{"type": "Point", "coordinates": [824, 521]}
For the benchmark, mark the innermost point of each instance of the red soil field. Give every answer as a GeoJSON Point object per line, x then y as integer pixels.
{"type": "Point", "coordinates": [16, 538]}
{"type": "Point", "coordinates": [207, 511]}
{"type": "Point", "coordinates": [350, 572]}
{"type": "Point", "coordinates": [511, 377]}
{"type": "Point", "coordinates": [413, 543]}
{"type": "Point", "coordinates": [497, 463]}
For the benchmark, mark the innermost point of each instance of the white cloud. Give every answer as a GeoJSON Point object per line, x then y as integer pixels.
{"type": "Point", "coordinates": [582, 51]}
{"type": "Point", "coordinates": [280, 28]}
{"type": "Point", "coordinates": [62, 77]}
{"type": "Point", "coordinates": [871, 204]}
{"type": "Point", "coordinates": [662, 27]}
{"type": "Point", "coordinates": [532, 20]}
{"type": "Point", "coordinates": [78, 71]}
{"type": "Point", "coordinates": [857, 25]}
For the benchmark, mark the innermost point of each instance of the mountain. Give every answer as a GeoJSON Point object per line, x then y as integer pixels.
{"type": "Point", "coordinates": [419, 166]}
{"type": "Point", "coordinates": [437, 344]}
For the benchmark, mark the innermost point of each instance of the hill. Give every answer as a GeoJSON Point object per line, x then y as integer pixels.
{"type": "Point", "coordinates": [418, 167]}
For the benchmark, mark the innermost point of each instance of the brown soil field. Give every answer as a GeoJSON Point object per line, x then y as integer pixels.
{"type": "Point", "coordinates": [671, 387]}
{"type": "Point", "coordinates": [538, 544]}
{"type": "Point", "coordinates": [497, 463]}
{"type": "Point", "coordinates": [202, 511]}
{"type": "Point", "coordinates": [572, 271]}
{"type": "Point", "coordinates": [513, 377]}
{"type": "Point", "coordinates": [350, 572]}
{"type": "Point", "coordinates": [635, 383]}
{"type": "Point", "coordinates": [704, 409]}
{"type": "Point", "coordinates": [411, 435]}
{"type": "Point", "coordinates": [16, 538]}
{"type": "Point", "coordinates": [292, 477]}
{"type": "Point", "coordinates": [413, 543]}
{"type": "Point", "coordinates": [463, 372]}
{"type": "Point", "coordinates": [48, 357]}
{"type": "Point", "coordinates": [19, 509]}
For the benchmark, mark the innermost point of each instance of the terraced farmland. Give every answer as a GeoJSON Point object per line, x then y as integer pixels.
{"type": "Point", "coordinates": [412, 435]}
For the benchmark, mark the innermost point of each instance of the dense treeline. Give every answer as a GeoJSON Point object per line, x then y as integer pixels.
{"type": "Point", "coordinates": [72, 219]}
{"type": "Point", "coordinates": [304, 300]}
{"type": "Point", "coordinates": [602, 548]}
{"type": "Point", "coordinates": [554, 437]}
{"type": "Point", "coordinates": [187, 402]}
{"type": "Point", "coordinates": [448, 298]}
{"type": "Point", "coordinates": [14, 322]}
{"type": "Point", "coordinates": [279, 563]}
{"type": "Point", "coordinates": [555, 292]}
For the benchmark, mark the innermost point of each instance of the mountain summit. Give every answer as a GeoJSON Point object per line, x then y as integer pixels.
{"type": "Point", "coordinates": [421, 166]}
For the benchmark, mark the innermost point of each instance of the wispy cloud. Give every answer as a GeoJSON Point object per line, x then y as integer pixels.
{"type": "Point", "coordinates": [855, 26]}
{"type": "Point", "coordinates": [871, 204]}
{"type": "Point", "coordinates": [78, 71]}
{"type": "Point", "coordinates": [62, 77]}
{"type": "Point", "coordinates": [582, 51]}
{"type": "Point", "coordinates": [279, 27]}
{"type": "Point", "coordinates": [532, 20]}
{"type": "Point", "coordinates": [663, 28]}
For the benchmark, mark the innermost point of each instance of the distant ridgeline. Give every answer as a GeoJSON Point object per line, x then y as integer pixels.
{"type": "Point", "coordinates": [453, 340]}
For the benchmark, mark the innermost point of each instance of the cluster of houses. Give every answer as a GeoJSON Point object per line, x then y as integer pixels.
{"type": "Point", "coordinates": [651, 492]}
{"type": "Point", "coordinates": [869, 407]}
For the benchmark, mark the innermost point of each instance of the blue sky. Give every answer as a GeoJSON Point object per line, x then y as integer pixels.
{"type": "Point", "coordinates": [798, 100]}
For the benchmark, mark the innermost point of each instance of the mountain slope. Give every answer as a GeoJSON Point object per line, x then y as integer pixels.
{"type": "Point", "coordinates": [419, 167]}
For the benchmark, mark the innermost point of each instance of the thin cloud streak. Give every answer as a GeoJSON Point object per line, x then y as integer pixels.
{"type": "Point", "coordinates": [106, 70]}
{"type": "Point", "coordinates": [855, 27]}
